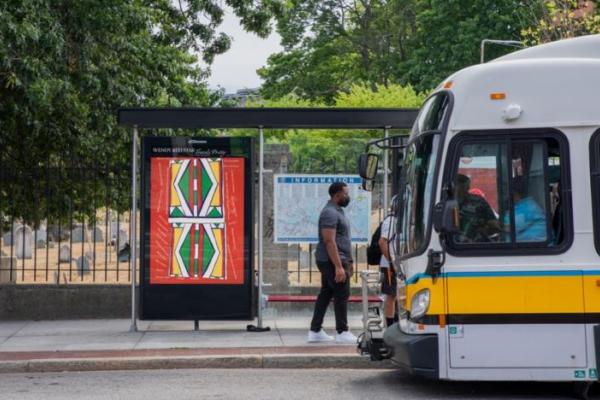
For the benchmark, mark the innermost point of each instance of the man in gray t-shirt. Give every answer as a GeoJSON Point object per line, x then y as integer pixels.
{"type": "Point", "coordinates": [334, 260]}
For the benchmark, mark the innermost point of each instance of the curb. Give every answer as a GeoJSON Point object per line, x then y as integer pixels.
{"type": "Point", "coordinates": [317, 361]}
{"type": "Point", "coordinates": [287, 361]}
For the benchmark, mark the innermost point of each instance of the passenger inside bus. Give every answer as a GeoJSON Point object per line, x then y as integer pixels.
{"type": "Point", "coordinates": [530, 218]}
{"type": "Point", "coordinates": [478, 222]}
{"type": "Point", "coordinates": [510, 193]}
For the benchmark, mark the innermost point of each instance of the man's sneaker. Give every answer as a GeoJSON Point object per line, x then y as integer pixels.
{"type": "Point", "coordinates": [346, 338]}
{"type": "Point", "coordinates": [321, 336]}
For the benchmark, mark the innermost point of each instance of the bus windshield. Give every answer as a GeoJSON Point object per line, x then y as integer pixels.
{"type": "Point", "coordinates": [418, 175]}
{"type": "Point", "coordinates": [419, 168]}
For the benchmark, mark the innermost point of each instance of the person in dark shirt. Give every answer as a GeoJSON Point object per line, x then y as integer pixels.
{"type": "Point", "coordinates": [478, 222]}
{"type": "Point", "coordinates": [334, 260]}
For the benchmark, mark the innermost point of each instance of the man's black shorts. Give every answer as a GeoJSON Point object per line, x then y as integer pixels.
{"type": "Point", "coordinates": [389, 283]}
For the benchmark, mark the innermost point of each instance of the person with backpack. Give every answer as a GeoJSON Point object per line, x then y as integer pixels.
{"type": "Point", "coordinates": [380, 253]}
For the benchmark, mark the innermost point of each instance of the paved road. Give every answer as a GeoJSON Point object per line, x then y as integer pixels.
{"type": "Point", "coordinates": [260, 384]}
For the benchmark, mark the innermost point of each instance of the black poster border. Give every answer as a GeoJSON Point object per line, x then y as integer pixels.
{"type": "Point", "coordinates": [196, 302]}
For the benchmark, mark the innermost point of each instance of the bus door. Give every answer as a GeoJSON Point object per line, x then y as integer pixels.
{"type": "Point", "coordinates": [513, 299]}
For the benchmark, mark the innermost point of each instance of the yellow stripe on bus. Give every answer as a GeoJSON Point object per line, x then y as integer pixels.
{"type": "Point", "coordinates": [591, 289]}
{"type": "Point", "coordinates": [510, 295]}
{"type": "Point", "coordinates": [515, 295]}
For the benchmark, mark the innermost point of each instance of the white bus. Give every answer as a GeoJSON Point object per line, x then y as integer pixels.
{"type": "Point", "coordinates": [498, 251]}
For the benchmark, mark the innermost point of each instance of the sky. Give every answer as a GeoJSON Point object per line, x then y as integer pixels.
{"type": "Point", "coordinates": [236, 69]}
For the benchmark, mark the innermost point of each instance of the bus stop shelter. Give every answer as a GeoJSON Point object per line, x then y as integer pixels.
{"type": "Point", "coordinates": [137, 119]}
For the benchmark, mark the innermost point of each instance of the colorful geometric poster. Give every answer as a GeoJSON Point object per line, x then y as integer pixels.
{"type": "Point", "coordinates": [197, 220]}
{"type": "Point", "coordinates": [196, 243]}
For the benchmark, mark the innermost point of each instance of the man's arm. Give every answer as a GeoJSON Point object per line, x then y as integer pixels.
{"type": "Point", "coordinates": [328, 235]}
{"type": "Point", "coordinates": [385, 248]}
{"type": "Point", "coordinates": [384, 239]}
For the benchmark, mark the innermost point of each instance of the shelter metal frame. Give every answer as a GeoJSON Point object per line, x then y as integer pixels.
{"type": "Point", "coordinates": [258, 118]}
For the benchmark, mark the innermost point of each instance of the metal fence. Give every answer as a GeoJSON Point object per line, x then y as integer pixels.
{"type": "Point", "coordinates": [64, 235]}
{"type": "Point", "coordinates": [302, 271]}
{"type": "Point", "coordinates": [66, 240]}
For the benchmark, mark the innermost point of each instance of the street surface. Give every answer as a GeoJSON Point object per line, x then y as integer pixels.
{"type": "Point", "coordinates": [261, 384]}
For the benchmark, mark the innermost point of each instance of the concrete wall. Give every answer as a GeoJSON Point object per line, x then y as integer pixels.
{"type": "Point", "coordinates": [51, 302]}
{"type": "Point", "coordinates": [39, 302]}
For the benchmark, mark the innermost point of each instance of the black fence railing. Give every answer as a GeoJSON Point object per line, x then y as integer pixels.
{"type": "Point", "coordinates": [62, 224]}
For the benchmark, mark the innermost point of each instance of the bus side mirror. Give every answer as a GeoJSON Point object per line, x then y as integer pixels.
{"type": "Point", "coordinates": [368, 185]}
{"type": "Point", "coordinates": [367, 166]}
{"type": "Point", "coordinates": [446, 217]}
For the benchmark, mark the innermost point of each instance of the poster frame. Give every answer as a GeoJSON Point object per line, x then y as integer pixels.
{"type": "Point", "coordinates": [335, 178]}
{"type": "Point", "coordinates": [202, 302]}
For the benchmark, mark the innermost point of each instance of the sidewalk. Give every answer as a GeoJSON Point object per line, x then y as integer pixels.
{"type": "Point", "coordinates": [86, 345]}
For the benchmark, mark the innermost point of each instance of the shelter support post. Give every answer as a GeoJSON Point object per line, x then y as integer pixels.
{"type": "Point", "coordinates": [385, 173]}
{"type": "Point", "coordinates": [133, 226]}
{"type": "Point", "coordinates": [261, 304]}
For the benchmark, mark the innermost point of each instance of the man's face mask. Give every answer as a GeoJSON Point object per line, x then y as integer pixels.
{"type": "Point", "coordinates": [345, 201]}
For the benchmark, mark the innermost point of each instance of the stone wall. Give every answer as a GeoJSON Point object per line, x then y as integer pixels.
{"type": "Point", "coordinates": [55, 302]}
{"type": "Point", "coordinates": [41, 302]}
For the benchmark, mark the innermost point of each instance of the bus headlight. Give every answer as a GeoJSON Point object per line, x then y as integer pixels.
{"type": "Point", "coordinates": [420, 304]}
{"type": "Point", "coordinates": [401, 295]}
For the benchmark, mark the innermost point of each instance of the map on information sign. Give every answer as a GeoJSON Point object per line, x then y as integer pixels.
{"type": "Point", "coordinates": [299, 200]}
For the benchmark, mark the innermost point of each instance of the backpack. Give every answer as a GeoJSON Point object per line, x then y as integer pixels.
{"type": "Point", "coordinates": [373, 251]}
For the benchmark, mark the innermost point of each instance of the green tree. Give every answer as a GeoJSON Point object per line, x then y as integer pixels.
{"type": "Point", "coordinates": [449, 33]}
{"type": "Point", "coordinates": [67, 66]}
{"type": "Point", "coordinates": [563, 19]}
{"type": "Point", "coordinates": [330, 45]}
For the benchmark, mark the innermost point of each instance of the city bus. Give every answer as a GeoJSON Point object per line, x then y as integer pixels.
{"type": "Point", "coordinates": [498, 228]}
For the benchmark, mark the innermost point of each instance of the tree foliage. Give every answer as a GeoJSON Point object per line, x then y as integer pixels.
{"type": "Point", "coordinates": [329, 45]}
{"type": "Point", "coordinates": [67, 66]}
{"type": "Point", "coordinates": [563, 19]}
{"type": "Point", "coordinates": [449, 34]}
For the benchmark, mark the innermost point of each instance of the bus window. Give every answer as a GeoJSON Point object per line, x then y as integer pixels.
{"type": "Point", "coordinates": [529, 192]}
{"type": "Point", "coordinates": [481, 189]}
{"type": "Point", "coordinates": [509, 192]}
{"type": "Point", "coordinates": [595, 185]}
